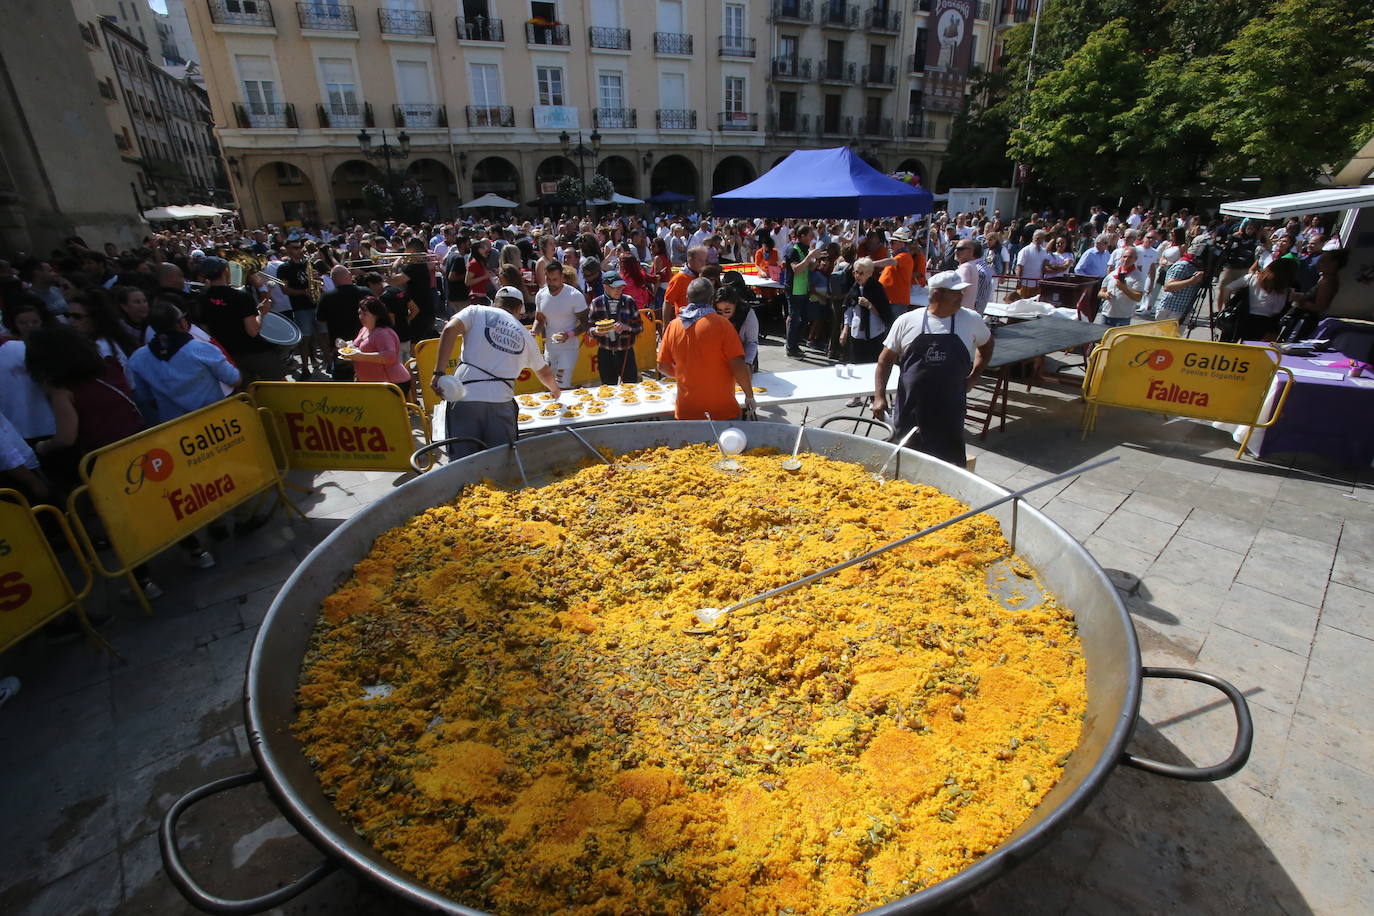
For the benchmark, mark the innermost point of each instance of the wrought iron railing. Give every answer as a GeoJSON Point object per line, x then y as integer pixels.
{"type": "Point", "coordinates": [554, 33]}
{"type": "Point", "coordinates": [920, 128]}
{"type": "Point", "coordinates": [876, 127]}
{"type": "Point", "coordinates": [675, 119]}
{"type": "Point", "coordinates": [611, 118]}
{"type": "Point", "coordinates": [836, 71]}
{"type": "Point", "coordinates": [265, 114]}
{"type": "Point", "coordinates": [842, 126]}
{"type": "Point", "coordinates": [405, 22]}
{"type": "Point", "coordinates": [883, 20]}
{"type": "Point", "coordinates": [791, 68]}
{"type": "Point", "coordinates": [739, 120]}
{"type": "Point", "coordinates": [672, 43]}
{"type": "Point", "coordinates": [490, 116]}
{"type": "Point", "coordinates": [345, 114]}
{"type": "Point", "coordinates": [880, 75]}
{"type": "Point", "coordinates": [736, 46]}
{"type": "Point", "coordinates": [837, 14]}
{"type": "Point", "coordinates": [791, 11]}
{"type": "Point", "coordinates": [614, 39]}
{"type": "Point", "coordinates": [327, 17]}
{"type": "Point", "coordinates": [417, 115]}
{"type": "Point", "coordinates": [796, 124]}
{"type": "Point", "coordinates": [984, 11]}
{"type": "Point", "coordinates": [242, 12]}
{"type": "Point", "coordinates": [480, 28]}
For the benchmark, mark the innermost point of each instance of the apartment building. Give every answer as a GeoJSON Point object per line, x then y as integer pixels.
{"type": "Point", "coordinates": [691, 97]}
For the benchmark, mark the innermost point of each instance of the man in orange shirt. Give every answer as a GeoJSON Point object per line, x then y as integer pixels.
{"type": "Point", "coordinates": [675, 296]}
{"type": "Point", "coordinates": [901, 270]}
{"type": "Point", "coordinates": [702, 350]}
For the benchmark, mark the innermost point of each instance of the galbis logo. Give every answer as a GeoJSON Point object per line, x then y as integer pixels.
{"type": "Point", "coordinates": [1155, 360]}
{"type": "Point", "coordinates": [155, 464]}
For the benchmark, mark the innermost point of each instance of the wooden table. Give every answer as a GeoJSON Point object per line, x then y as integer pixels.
{"type": "Point", "coordinates": [1029, 342]}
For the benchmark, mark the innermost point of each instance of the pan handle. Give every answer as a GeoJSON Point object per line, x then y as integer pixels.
{"type": "Point", "coordinates": [201, 899]}
{"type": "Point", "coordinates": [1245, 732]}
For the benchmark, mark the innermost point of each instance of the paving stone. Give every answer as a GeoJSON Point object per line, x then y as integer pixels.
{"type": "Point", "coordinates": [1311, 553]}
{"type": "Point", "coordinates": [1274, 674]}
{"type": "Point", "coordinates": [1348, 740]}
{"type": "Point", "coordinates": [1079, 521]}
{"type": "Point", "coordinates": [143, 795]}
{"type": "Point", "coordinates": [1250, 478]}
{"type": "Point", "coordinates": [1158, 508]}
{"type": "Point", "coordinates": [1113, 555]}
{"type": "Point", "coordinates": [1284, 578]}
{"type": "Point", "coordinates": [1144, 534]}
{"type": "Point", "coordinates": [1093, 494]}
{"type": "Point", "coordinates": [229, 656]}
{"type": "Point", "coordinates": [93, 888]}
{"type": "Point", "coordinates": [1220, 530]}
{"type": "Point", "coordinates": [1353, 570]}
{"type": "Point", "coordinates": [1349, 609]}
{"type": "Point", "coordinates": [1302, 520]}
{"type": "Point", "coordinates": [1234, 503]}
{"type": "Point", "coordinates": [1181, 612]}
{"type": "Point", "coordinates": [179, 712]}
{"type": "Point", "coordinates": [1186, 561]}
{"type": "Point", "coordinates": [1275, 620]}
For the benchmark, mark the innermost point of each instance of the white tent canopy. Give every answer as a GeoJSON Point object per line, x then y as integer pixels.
{"type": "Point", "coordinates": [187, 211]}
{"type": "Point", "coordinates": [1302, 203]}
{"type": "Point", "coordinates": [489, 200]}
{"type": "Point", "coordinates": [622, 199]}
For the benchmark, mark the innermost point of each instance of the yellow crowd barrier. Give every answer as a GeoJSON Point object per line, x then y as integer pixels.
{"type": "Point", "coordinates": [326, 426]}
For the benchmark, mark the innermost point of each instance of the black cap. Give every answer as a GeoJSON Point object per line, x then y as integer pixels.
{"type": "Point", "coordinates": [612, 278]}
{"type": "Point", "coordinates": [212, 267]}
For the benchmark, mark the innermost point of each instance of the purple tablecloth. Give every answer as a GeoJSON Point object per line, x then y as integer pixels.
{"type": "Point", "coordinates": [1327, 417]}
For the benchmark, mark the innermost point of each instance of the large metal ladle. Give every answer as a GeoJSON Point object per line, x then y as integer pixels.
{"type": "Point", "coordinates": [710, 617]}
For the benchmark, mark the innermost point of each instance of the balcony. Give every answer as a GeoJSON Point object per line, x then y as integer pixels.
{"type": "Point", "coordinates": [876, 127]}
{"type": "Point", "coordinates": [736, 46]}
{"type": "Point", "coordinates": [480, 29]}
{"type": "Point", "coordinates": [837, 14]}
{"type": "Point", "coordinates": [738, 121]}
{"type": "Point", "coordinates": [610, 39]}
{"type": "Point", "coordinates": [791, 11]}
{"type": "Point", "coordinates": [835, 127]}
{"type": "Point", "coordinates": [414, 115]}
{"type": "Point", "coordinates": [673, 43]}
{"type": "Point", "coordinates": [490, 116]}
{"type": "Point", "coordinates": [884, 20]}
{"type": "Point", "coordinates": [919, 129]}
{"type": "Point", "coordinates": [791, 68]}
{"type": "Point", "coordinates": [327, 17]}
{"type": "Point", "coordinates": [675, 119]}
{"type": "Point", "coordinates": [280, 115]}
{"type": "Point", "coordinates": [405, 22]}
{"type": "Point", "coordinates": [347, 114]}
{"type": "Point", "coordinates": [984, 11]}
{"type": "Point", "coordinates": [1017, 11]}
{"type": "Point", "coordinates": [838, 72]}
{"type": "Point", "coordinates": [552, 33]}
{"type": "Point", "coordinates": [796, 124]}
{"type": "Point", "coordinates": [879, 75]}
{"type": "Point", "coordinates": [916, 63]}
{"type": "Point", "coordinates": [615, 118]}
{"type": "Point", "coordinates": [921, 6]}
{"type": "Point", "coordinates": [242, 12]}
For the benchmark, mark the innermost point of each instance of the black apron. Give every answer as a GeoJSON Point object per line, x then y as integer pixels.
{"type": "Point", "coordinates": [932, 392]}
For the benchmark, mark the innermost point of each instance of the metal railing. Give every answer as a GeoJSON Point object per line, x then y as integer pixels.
{"type": "Point", "coordinates": [881, 75]}
{"type": "Point", "coordinates": [791, 68]}
{"type": "Point", "coordinates": [490, 116]}
{"type": "Point", "coordinates": [273, 114]}
{"type": "Point", "coordinates": [791, 11]}
{"type": "Point", "coordinates": [555, 33]}
{"type": "Point", "coordinates": [1020, 11]}
{"type": "Point", "coordinates": [419, 115]}
{"type": "Point", "coordinates": [675, 119]}
{"type": "Point", "coordinates": [983, 11]}
{"type": "Point", "coordinates": [738, 120]}
{"type": "Point", "coordinates": [242, 12]}
{"type": "Point", "coordinates": [797, 124]}
{"type": "Point", "coordinates": [356, 114]}
{"type": "Point", "coordinates": [405, 22]}
{"type": "Point", "coordinates": [837, 14]}
{"type": "Point", "coordinates": [836, 127]}
{"type": "Point", "coordinates": [875, 127]}
{"type": "Point", "coordinates": [614, 39]}
{"type": "Point", "coordinates": [612, 118]}
{"type": "Point", "coordinates": [920, 6]}
{"type": "Point", "coordinates": [672, 43]}
{"type": "Point", "coordinates": [920, 128]}
{"type": "Point", "coordinates": [327, 17]}
{"type": "Point", "coordinates": [884, 20]}
{"type": "Point", "coordinates": [836, 71]}
{"type": "Point", "coordinates": [736, 46]}
{"type": "Point", "coordinates": [916, 63]}
{"type": "Point", "coordinates": [480, 29]}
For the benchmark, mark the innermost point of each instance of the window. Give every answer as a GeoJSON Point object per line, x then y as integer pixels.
{"type": "Point", "coordinates": [787, 47]}
{"type": "Point", "coordinates": [787, 111]}
{"type": "Point", "coordinates": [606, 14]}
{"type": "Point", "coordinates": [610, 91]}
{"type": "Point", "coordinates": [922, 36]}
{"type": "Point", "coordinates": [259, 86]}
{"type": "Point", "coordinates": [485, 81]}
{"type": "Point", "coordinates": [288, 174]}
{"type": "Point", "coordinates": [670, 16]}
{"type": "Point", "coordinates": [672, 91]}
{"type": "Point", "coordinates": [832, 114]}
{"type": "Point", "coordinates": [549, 81]}
{"type": "Point", "coordinates": [916, 105]}
{"type": "Point", "coordinates": [973, 50]}
{"type": "Point", "coordinates": [475, 9]}
{"type": "Point", "coordinates": [541, 10]}
{"type": "Point", "coordinates": [249, 7]}
{"type": "Point", "coordinates": [734, 23]}
{"type": "Point", "coordinates": [412, 82]}
{"type": "Point", "coordinates": [734, 95]}
{"type": "Point", "coordinates": [340, 86]}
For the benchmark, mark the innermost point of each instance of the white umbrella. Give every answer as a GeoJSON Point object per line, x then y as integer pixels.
{"type": "Point", "coordinates": [489, 200]}
{"type": "Point", "coordinates": [622, 199]}
{"type": "Point", "coordinates": [160, 213]}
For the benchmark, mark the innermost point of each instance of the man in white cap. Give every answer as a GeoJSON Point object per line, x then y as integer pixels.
{"type": "Point", "coordinates": [939, 352]}
{"type": "Point", "coordinates": [496, 349]}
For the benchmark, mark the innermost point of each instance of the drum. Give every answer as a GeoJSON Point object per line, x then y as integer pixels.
{"type": "Point", "coordinates": [280, 331]}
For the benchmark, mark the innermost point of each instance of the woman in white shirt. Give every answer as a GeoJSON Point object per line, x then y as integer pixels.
{"type": "Point", "coordinates": [1269, 290]}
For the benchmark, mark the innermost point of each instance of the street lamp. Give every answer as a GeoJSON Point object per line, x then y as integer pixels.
{"type": "Point", "coordinates": [565, 140]}
{"type": "Point", "coordinates": [386, 152]}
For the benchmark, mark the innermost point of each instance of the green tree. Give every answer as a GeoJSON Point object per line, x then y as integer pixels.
{"type": "Point", "coordinates": [1073, 131]}
{"type": "Point", "coordinates": [1291, 94]}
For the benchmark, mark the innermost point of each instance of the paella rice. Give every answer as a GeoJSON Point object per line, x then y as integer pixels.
{"type": "Point", "coordinates": [548, 738]}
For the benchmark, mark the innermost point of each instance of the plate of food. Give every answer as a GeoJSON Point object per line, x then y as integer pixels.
{"type": "Point", "coordinates": [349, 351]}
{"type": "Point", "coordinates": [524, 418]}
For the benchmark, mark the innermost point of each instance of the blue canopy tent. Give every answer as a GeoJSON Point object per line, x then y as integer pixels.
{"type": "Point", "coordinates": [671, 197]}
{"type": "Point", "coordinates": [832, 183]}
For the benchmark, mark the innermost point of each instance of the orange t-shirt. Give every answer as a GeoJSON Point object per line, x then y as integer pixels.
{"type": "Point", "coordinates": [764, 263]}
{"type": "Point", "coordinates": [896, 278]}
{"type": "Point", "coordinates": [701, 356]}
{"type": "Point", "coordinates": [675, 296]}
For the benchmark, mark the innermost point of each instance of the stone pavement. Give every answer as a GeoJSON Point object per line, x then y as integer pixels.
{"type": "Point", "coordinates": [1259, 573]}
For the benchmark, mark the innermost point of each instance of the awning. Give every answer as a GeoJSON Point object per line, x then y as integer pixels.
{"type": "Point", "coordinates": [185, 211]}
{"type": "Point", "coordinates": [622, 199]}
{"type": "Point", "coordinates": [489, 200]}
{"type": "Point", "coordinates": [831, 183]}
{"type": "Point", "coordinates": [1302, 203]}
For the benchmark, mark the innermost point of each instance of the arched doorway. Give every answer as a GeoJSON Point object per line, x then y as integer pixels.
{"type": "Point", "coordinates": [621, 174]}
{"type": "Point", "coordinates": [440, 190]}
{"type": "Point", "coordinates": [914, 167]}
{"type": "Point", "coordinates": [284, 193]}
{"type": "Point", "coordinates": [495, 175]}
{"type": "Point", "coordinates": [730, 173]}
{"type": "Point", "coordinates": [546, 178]}
{"type": "Point", "coordinates": [346, 187]}
{"type": "Point", "coordinates": [675, 174]}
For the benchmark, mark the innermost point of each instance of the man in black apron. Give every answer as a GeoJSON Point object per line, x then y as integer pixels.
{"type": "Point", "coordinates": [940, 351]}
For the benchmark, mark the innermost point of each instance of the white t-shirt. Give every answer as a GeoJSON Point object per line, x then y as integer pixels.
{"type": "Point", "coordinates": [968, 272]}
{"type": "Point", "coordinates": [560, 311]}
{"type": "Point", "coordinates": [1146, 258]}
{"type": "Point", "coordinates": [1121, 305]}
{"type": "Point", "coordinates": [14, 451]}
{"type": "Point", "coordinates": [1032, 260]}
{"type": "Point", "coordinates": [1133, 220]}
{"type": "Point", "coordinates": [21, 399]}
{"type": "Point", "coordinates": [494, 344]}
{"type": "Point", "coordinates": [968, 325]}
